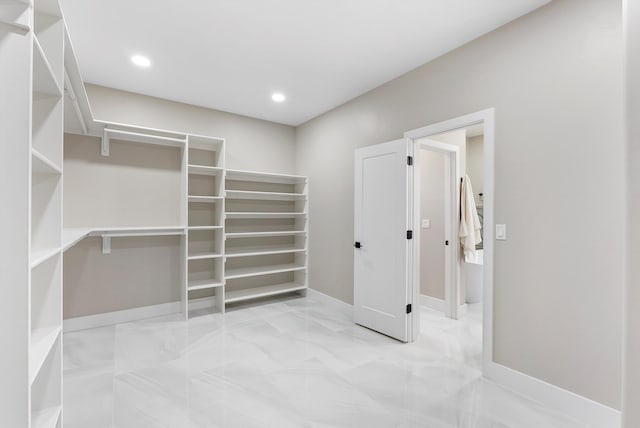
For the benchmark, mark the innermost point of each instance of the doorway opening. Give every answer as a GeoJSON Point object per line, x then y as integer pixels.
{"type": "Point", "coordinates": [454, 161]}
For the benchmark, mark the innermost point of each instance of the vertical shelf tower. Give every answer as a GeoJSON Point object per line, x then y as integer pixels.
{"type": "Point", "coordinates": [205, 228]}
{"type": "Point", "coordinates": [45, 344]}
{"type": "Point", "coordinates": [266, 235]}
{"type": "Point", "coordinates": [32, 58]}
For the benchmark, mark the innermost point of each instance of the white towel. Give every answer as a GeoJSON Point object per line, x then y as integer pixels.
{"type": "Point", "coordinates": [469, 222]}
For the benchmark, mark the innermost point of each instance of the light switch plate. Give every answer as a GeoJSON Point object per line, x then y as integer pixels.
{"type": "Point", "coordinates": [426, 223]}
{"type": "Point", "coordinates": [501, 232]}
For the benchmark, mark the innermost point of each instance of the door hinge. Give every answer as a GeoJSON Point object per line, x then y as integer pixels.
{"type": "Point", "coordinates": [446, 242]}
{"type": "Point", "coordinates": [409, 234]}
{"type": "Point", "coordinates": [409, 308]}
{"type": "Point", "coordinates": [409, 160]}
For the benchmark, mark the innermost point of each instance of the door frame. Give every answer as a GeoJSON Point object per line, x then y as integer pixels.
{"type": "Point", "coordinates": [451, 219]}
{"type": "Point", "coordinates": [487, 117]}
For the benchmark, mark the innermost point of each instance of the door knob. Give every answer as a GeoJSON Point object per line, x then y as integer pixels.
{"type": "Point", "coordinates": [357, 245]}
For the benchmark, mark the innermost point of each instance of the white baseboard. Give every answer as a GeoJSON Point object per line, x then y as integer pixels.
{"type": "Point", "coordinates": [432, 303]}
{"type": "Point", "coordinates": [134, 314]}
{"type": "Point", "coordinates": [462, 310]}
{"type": "Point", "coordinates": [582, 409]}
{"type": "Point", "coordinates": [324, 298]}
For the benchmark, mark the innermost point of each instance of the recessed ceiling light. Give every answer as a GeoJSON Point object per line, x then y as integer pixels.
{"type": "Point", "coordinates": [141, 61]}
{"type": "Point", "coordinates": [277, 97]}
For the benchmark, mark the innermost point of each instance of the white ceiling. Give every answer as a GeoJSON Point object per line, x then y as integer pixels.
{"type": "Point", "coordinates": [232, 55]}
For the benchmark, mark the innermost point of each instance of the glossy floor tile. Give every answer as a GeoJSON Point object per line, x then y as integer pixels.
{"type": "Point", "coordinates": [289, 363]}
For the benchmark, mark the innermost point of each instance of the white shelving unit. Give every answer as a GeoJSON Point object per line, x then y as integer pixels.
{"type": "Point", "coordinates": [42, 23]}
{"type": "Point", "coordinates": [204, 253]}
{"type": "Point", "coordinates": [266, 235]}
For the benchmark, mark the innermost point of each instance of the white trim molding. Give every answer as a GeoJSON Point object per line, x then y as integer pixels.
{"type": "Point", "coordinates": [432, 302]}
{"type": "Point", "coordinates": [326, 299]}
{"type": "Point", "coordinates": [134, 314]}
{"type": "Point", "coordinates": [582, 409]}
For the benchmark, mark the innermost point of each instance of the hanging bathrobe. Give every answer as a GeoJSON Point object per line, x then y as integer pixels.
{"type": "Point", "coordinates": [469, 222]}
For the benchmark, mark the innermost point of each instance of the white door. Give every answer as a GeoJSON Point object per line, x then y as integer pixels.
{"type": "Point", "coordinates": [382, 249]}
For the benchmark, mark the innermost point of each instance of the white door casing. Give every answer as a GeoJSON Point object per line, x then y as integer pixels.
{"type": "Point", "coordinates": [383, 278]}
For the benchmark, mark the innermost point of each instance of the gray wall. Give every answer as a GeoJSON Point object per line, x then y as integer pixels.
{"type": "Point", "coordinates": [252, 144]}
{"type": "Point", "coordinates": [632, 374]}
{"type": "Point", "coordinates": [139, 185]}
{"type": "Point", "coordinates": [432, 255]}
{"type": "Point", "coordinates": [475, 166]}
{"type": "Point", "coordinates": [554, 78]}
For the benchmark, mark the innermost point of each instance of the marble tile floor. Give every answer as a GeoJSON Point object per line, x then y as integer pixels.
{"type": "Point", "coordinates": [289, 363]}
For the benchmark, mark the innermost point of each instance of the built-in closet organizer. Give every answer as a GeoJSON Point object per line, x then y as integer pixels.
{"type": "Point", "coordinates": [32, 76]}
{"type": "Point", "coordinates": [242, 234]}
{"type": "Point", "coordinates": [266, 235]}
{"type": "Point", "coordinates": [205, 202]}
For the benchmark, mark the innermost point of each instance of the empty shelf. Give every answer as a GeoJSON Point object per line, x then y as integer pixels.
{"type": "Point", "coordinates": [44, 80]}
{"type": "Point", "coordinates": [204, 170]}
{"type": "Point", "coordinates": [42, 341]}
{"type": "Point", "coordinates": [267, 233]}
{"type": "Point", "coordinates": [40, 164]}
{"type": "Point", "coordinates": [264, 291]}
{"type": "Point", "coordinates": [264, 196]}
{"type": "Point", "coordinates": [138, 137]}
{"type": "Point", "coordinates": [205, 199]}
{"type": "Point", "coordinates": [262, 251]}
{"type": "Point", "coordinates": [263, 215]}
{"type": "Point", "coordinates": [264, 177]}
{"type": "Point", "coordinates": [46, 418]}
{"type": "Point", "coordinates": [39, 256]}
{"type": "Point", "coordinates": [72, 235]}
{"type": "Point", "coordinates": [245, 272]}
{"type": "Point", "coordinates": [203, 284]}
{"type": "Point", "coordinates": [201, 256]}
{"type": "Point", "coordinates": [124, 232]}
{"type": "Point", "coordinates": [204, 227]}
{"type": "Point", "coordinates": [15, 16]}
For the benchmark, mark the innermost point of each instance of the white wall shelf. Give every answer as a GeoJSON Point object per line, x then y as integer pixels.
{"type": "Point", "coordinates": [15, 16]}
{"type": "Point", "coordinates": [46, 418]}
{"type": "Point", "coordinates": [44, 80]}
{"type": "Point", "coordinates": [42, 165]}
{"type": "Point", "coordinates": [246, 272]}
{"type": "Point", "coordinates": [263, 177]}
{"type": "Point", "coordinates": [266, 196]}
{"type": "Point", "coordinates": [204, 284]}
{"type": "Point", "coordinates": [42, 341]}
{"type": "Point", "coordinates": [253, 215]}
{"type": "Point", "coordinates": [206, 199]}
{"type": "Point", "coordinates": [264, 234]}
{"type": "Point", "coordinates": [205, 170]}
{"type": "Point", "coordinates": [137, 137]}
{"type": "Point", "coordinates": [240, 295]}
{"type": "Point", "coordinates": [39, 256]}
{"type": "Point", "coordinates": [203, 256]}
{"type": "Point", "coordinates": [262, 251]}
